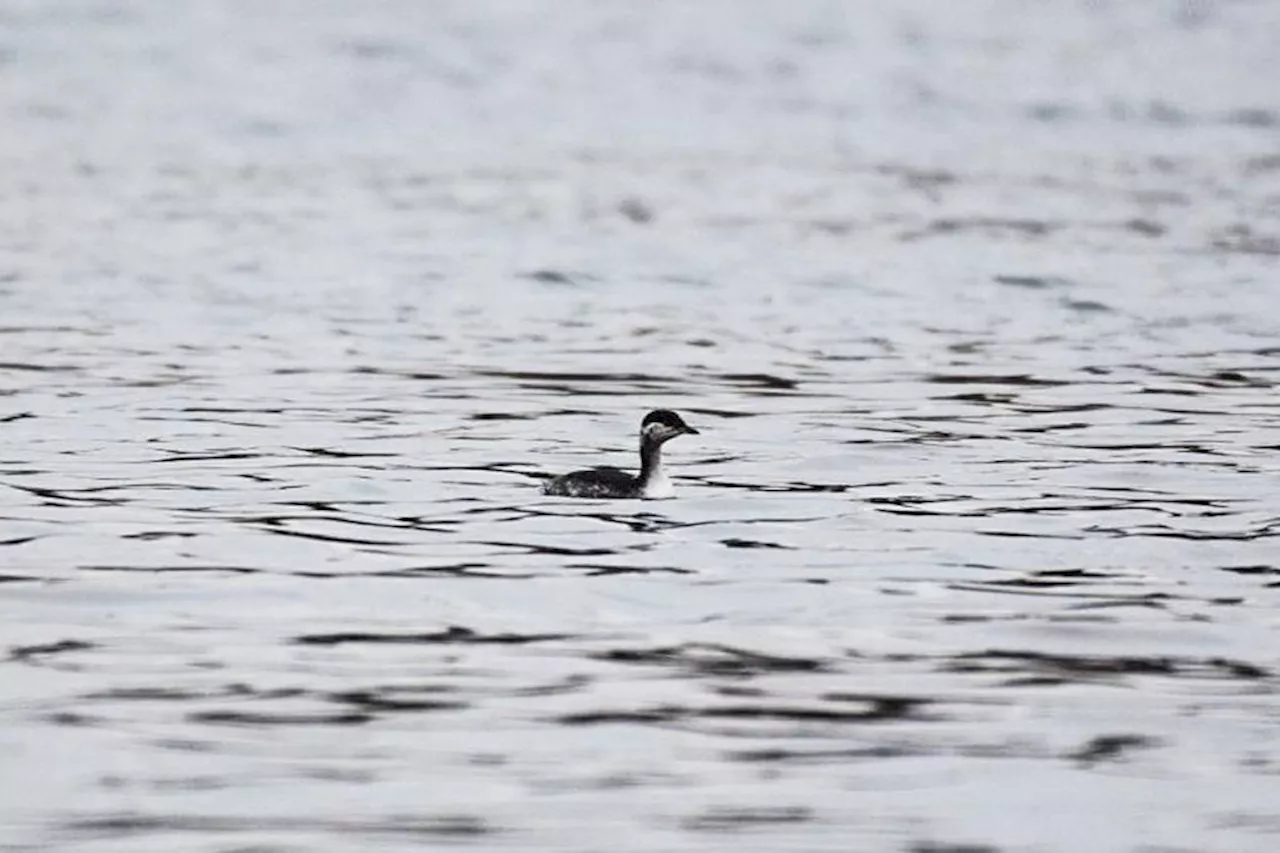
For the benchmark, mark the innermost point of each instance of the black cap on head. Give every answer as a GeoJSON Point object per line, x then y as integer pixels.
{"type": "Point", "coordinates": [669, 419]}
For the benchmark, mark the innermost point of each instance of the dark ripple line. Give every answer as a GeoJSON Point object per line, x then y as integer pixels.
{"type": "Point", "coordinates": [554, 376]}
{"type": "Point", "coordinates": [69, 496]}
{"type": "Point", "coordinates": [369, 370]}
{"type": "Point", "coordinates": [157, 535]}
{"type": "Point", "coordinates": [20, 578]}
{"type": "Point", "coordinates": [896, 508]}
{"type": "Point", "coordinates": [39, 368]}
{"type": "Point", "coordinates": [129, 824]}
{"type": "Point", "coordinates": [752, 543]}
{"type": "Point", "coordinates": [1037, 582]}
{"type": "Point", "coordinates": [1110, 747]}
{"type": "Point", "coordinates": [1006, 660]}
{"type": "Point", "coordinates": [1060, 408]}
{"type": "Point", "coordinates": [1008, 589]}
{"type": "Point", "coordinates": [1021, 534]}
{"type": "Point", "coordinates": [600, 570]}
{"type": "Point", "coordinates": [34, 653]}
{"type": "Point", "coordinates": [502, 467]}
{"type": "Point", "coordinates": [459, 570]}
{"type": "Point", "coordinates": [1160, 531]}
{"type": "Point", "coordinates": [209, 457]}
{"type": "Point", "coordinates": [835, 488]}
{"type": "Point", "coordinates": [383, 700]}
{"type": "Point", "coordinates": [1252, 570]}
{"type": "Point", "coordinates": [890, 710]}
{"type": "Point", "coordinates": [1189, 447]}
{"type": "Point", "coordinates": [499, 416]}
{"type": "Point", "coordinates": [339, 454]}
{"type": "Point", "coordinates": [765, 381]}
{"type": "Point", "coordinates": [261, 718]}
{"type": "Point", "coordinates": [722, 819]}
{"type": "Point", "coordinates": [167, 694]}
{"type": "Point", "coordinates": [452, 634]}
{"type": "Point", "coordinates": [838, 755]}
{"type": "Point", "coordinates": [235, 570]}
{"type": "Point", "coordinates": [324, 512]}
{"type": "Point", "coordinates": [235, 410]}
{"type": "Point", "coordinates": [327, 537]}
{"type": "Point", "coordinates": [222, 421]}
{"type": "Point", "coordinates": [713, 659]}
{"type": "Point", "coordinates": [1019, 379]}
{"type": "Point", "coordinates": [560, 551]}
{"type": "Point", "coordinates": [74, 494]}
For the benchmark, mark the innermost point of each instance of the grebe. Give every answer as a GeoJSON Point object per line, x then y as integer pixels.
{"type": "Point", "coordinates": [657, 428]}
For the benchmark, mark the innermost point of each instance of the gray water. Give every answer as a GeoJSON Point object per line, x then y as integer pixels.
{"type": "Point", "coordinates": [975, 306]}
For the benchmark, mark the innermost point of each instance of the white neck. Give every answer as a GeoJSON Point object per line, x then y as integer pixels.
{"type": "Point", "coordinates": [658, 485]}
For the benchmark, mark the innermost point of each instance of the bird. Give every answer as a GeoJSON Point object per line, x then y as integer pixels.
{"type": "Point", "coordinates": [657, 428]}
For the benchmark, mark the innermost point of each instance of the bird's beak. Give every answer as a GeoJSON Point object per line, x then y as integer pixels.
{"type": "Point", "coordinates": [690, 430]}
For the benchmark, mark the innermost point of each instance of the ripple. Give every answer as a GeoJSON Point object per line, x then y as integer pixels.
{"type": "Point", "coordinates": [453, 634]}
{"type": "Point", "coordinates": [987, 486]}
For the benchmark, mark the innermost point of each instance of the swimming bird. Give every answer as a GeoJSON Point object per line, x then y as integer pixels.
{"type": "Point", "coordinates": [657, 428]}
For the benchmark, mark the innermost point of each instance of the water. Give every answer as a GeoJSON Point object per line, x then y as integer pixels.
{"type": "Point", "coordinates": [974, 308]}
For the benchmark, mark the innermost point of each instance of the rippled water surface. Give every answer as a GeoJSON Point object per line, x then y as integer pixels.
{"type": "Point", "coordinates": [975, 307]}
